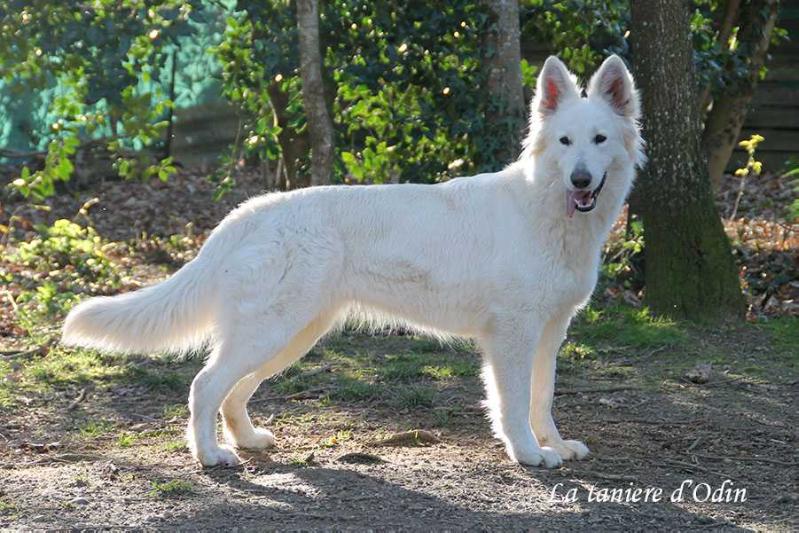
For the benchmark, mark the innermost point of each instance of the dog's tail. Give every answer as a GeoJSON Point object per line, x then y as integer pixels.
{"type": "Point", "coordinates": [173, 315]}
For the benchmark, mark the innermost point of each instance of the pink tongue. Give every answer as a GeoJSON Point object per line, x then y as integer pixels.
{"type": "Point", "coordinates": [573, 198]}
{"type": "Point", "coordinates": [571, 203]}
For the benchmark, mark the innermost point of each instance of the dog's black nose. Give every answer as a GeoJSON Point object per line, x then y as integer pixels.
{"type": "Point", "coordinates": [581, 178]}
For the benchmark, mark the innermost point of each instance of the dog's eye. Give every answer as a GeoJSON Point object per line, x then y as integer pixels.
{"type": "Point", "coordinates": [565, 141]}
{"type": "Point", "coordinates": [599, 139]}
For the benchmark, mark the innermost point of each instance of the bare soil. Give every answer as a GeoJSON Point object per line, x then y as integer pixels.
{"type": "Point", "coordinates": [647, 426]}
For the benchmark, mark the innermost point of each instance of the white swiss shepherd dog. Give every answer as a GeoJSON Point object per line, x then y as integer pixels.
{"type": "Point", "coordinates": [506, 259]}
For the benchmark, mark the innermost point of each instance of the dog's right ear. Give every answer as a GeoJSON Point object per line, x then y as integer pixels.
{"type": "Point", "coordinates": [555, 85]}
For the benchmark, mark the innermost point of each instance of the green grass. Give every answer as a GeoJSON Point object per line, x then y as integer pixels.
{"type": "Point", "coordinates": [178, 410]}
{"type": "Point", "coordinates": [126, 440]}
{"type": "Point", "coordinates": [174, 488]}
{"type": "Point", "coordinates": [784, 333]}
{"type": "Point", "coordinates": [64, 368]}
{"type": "Point", "coordinates": [414, 396]}
{"type": "Point", "coordinates": [353, 390]}
{"type": "Point", "coordinates": [95, 428]}
{"type": "Point", "coordinates": [173, 446]}
{"type": "Point", "coordinates": [626, 327]}
{"type": "Point", "coordinates": [411, 366]}
{"type": "Point", "coordinates": [7, 507]}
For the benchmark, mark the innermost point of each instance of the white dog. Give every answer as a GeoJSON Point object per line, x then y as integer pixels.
{"type": "Point", "coordinates": [501, 258]}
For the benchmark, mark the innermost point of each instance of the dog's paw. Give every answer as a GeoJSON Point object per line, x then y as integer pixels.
{"type": "Point", "coordinates": [258, 439]}
{"type": "Point", "coordinates": [570, 449]}
{"type": "Point", "coordinates": [544, 456]}
{"type": "Point", "coordinates": [220, 456]}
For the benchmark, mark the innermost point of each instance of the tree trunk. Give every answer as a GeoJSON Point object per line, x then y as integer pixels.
{"type": "Point", "coordinates": [320, 124]}
{"type": "Point", "coordinates": [689, 269]}
{"type": "Point", "coordinates": [726, 118]}
{"type": "Point", "coordinates": [505, 117]}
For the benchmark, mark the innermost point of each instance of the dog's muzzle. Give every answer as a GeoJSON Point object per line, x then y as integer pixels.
{"type": "Point", "coordinates": [583, 201]}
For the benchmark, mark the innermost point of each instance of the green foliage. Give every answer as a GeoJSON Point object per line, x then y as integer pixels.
{"type": "Point", "coordinates": [792, 173]}
{"type": "Point", "coordinates": [404, 80]}
{"type": "Point", "coordinates": [104, 60]}
{"type": "Point", "coordinates": [401, 79]}
{"type": "Point", "coordinates": [63, 261]}
{"type": "Point", "coordinates": [583, 32]}
{"type": "Point", "coordinates": [621, 257]}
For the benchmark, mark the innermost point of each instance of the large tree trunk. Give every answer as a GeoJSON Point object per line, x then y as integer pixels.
{"type": "Point", "coordinates": [689, 268]}
{"type": "Point", "coordinates": [506, 108]}
{"type": "Point", "coordinates": [726, 118]}
{"type": "Point", "coordinates": [320, 124]}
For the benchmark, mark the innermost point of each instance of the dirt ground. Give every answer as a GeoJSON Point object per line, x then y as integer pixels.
{"type": "Point", "coordinates": [92, 441]}
{"type": "Point", "coordinates": [646, 423]}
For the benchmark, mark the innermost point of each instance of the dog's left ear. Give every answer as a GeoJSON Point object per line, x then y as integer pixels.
{"type": "Point", "coordinates": [614, 84]}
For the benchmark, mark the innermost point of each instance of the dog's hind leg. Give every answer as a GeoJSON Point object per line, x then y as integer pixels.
{"type": "Point", "coordinates": [544, 388]}
{"type": "Point", "coordinates": [238, 427]}
{"type": "Point", "coordinates": [508, 375]}
{"type": "Point", "coordinates": [242, 351]}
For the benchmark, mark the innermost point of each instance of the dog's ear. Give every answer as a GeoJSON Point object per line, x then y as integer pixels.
{"type": "Point", "coordinates": [555, 85]}
{"type": "Point", "coordinates": [614, 84]}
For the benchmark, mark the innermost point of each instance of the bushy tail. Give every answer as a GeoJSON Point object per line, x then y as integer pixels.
{"type": "Point", "coordinates": [173, 315]}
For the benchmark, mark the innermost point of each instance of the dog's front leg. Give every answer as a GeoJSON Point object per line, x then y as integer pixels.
{"type": "Point", "coordinates": [508, 374]}
{"type": "Point", "coordinates": [544, 363]}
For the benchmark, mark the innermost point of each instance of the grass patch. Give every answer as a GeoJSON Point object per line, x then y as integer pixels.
{"type": "Point", "coordinates": [7, 507]}
{"type": "Point", "coordinates": [175, 488]}
{"type": "Point", "coordinates": [414, 396]}
{"type": "Point", "coordinates": [635, 328]}
{"type": "Point", "coordinates": [174, 446]}
{"type": "Point", "coordinates": [7, 386]}
{"type": "Point", "coordinates": [784, 333]}
{"type": "Point", "coordinates": [178, 410]}
{"type": "Point", "coordinates": [412, 366]}
{"type": "Point", "coordinates": [126, 440]}
{"type": "Point", "coordinates": [354, 390]}
{"type": "Point", "coordinates": [94, 429]}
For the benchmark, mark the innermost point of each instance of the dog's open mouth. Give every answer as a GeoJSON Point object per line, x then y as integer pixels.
{"type": "Point", "coordinates": [583, 201]}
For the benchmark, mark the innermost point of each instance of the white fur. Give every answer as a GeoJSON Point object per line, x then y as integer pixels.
{"type": "Point", "coordinates": [492, 257]}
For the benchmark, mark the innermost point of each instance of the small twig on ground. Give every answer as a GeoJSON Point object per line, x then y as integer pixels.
{"type": "Point", "coordinates": [659, 349]}
{"type": "Point", "coordinates": [79, 398]}
{"type": "Point", "coordinates": [68, 458]}
{"type": "Point", "coordinates": [701, 468]}
{"type": "Point", "coordinates": [696, 443]}
{"type": "Point", "coordinates": [726, 381]}
{"type": "Point", "coordinates": [315, 371]}
{"type": "Point", "coordinates": [310, 394]}
{"type": "Point", "coordinates": [646, 421]}
{"type": "Point", "coordinates": [144, 417]}
{"type": "Point", "coordinates": [414, 437]}
{"type": "Point", "coordinates": [754, 459]}
{"type": "Point", "coordinates": [565, 392]}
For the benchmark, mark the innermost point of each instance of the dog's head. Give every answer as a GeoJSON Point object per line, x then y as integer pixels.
{"type": "Point", "coordinates": [584, 141]}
